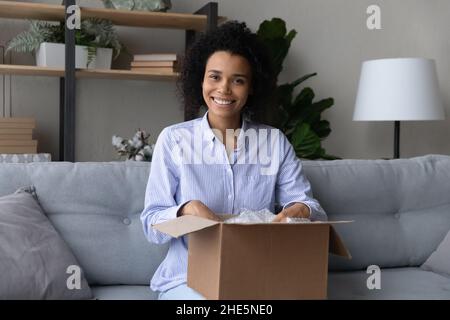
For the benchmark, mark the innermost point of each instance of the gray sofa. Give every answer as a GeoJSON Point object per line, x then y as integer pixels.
{"type": "Point", "coordinates": [401, 210]}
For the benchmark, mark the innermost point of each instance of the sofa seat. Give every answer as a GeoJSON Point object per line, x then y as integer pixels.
{"type": "Point", "coordinates": [123, 292]}
{"type": "Point", "coordinates": [396, 284]}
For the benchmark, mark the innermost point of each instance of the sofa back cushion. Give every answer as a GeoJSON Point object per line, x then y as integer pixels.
{"type": "Point", "coordinates": [400, 208]}
{"type": "Point", "coordinates": [96, 209]}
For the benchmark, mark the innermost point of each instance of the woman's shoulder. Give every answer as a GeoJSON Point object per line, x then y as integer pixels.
{"type": "Point", "coordinates": [259, 125]}
{"type": "Point", "coordinates": [174, 130]}
{"type": "Point", "coordinates": [262, 127]}
{"type": "Point", "coordinates": [183, 125]}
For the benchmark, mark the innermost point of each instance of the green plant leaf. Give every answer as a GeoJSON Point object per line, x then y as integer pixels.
{"type": "Point", "coordinates": [299, 117]}
{"type": "Point", "coordinates": [311, 112]}
{"type": "Point", "coordinates": [301, 79]}
{"type": "Point", "coordinates": [273, 34]}
{"type": "Point", "coordinates": [297, 110]}
{"type": "Point", "coordinates": [321, 128]}
{"type": "Point", "coordinates": [305, 142]}
{"type": "Point", "coordinates": [273, 29]}
{"type": "Point", "coordinates": [94, 33]}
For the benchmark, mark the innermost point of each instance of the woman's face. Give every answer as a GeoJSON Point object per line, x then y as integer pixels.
{"type": "Point", "coordinates": [226, 84]}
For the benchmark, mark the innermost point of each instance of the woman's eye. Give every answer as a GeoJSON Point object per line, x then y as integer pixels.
{"type": "Point", "coordinates": [240, 81]}
{"type": "Point", "coordinates": [214, 76]}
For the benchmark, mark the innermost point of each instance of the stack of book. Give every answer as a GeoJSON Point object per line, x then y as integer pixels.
{"type": "Point", "coordinates": [16, 135]}
{"type": "Point", "coordinates": [164, 63]}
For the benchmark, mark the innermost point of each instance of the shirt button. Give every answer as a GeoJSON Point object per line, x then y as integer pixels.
{"type": "Point", "coordinates": [126, 221]}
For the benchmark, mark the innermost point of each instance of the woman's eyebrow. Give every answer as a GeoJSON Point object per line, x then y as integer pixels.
{"type": "Point", "coordinates": [234, 75]}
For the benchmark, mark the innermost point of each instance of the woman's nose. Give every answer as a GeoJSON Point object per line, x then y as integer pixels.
{"type": "Point", "coordinates": [224, 88]}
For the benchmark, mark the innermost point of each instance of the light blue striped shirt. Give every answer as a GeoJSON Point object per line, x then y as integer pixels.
{"type": "Point", "coordinates": [190, 163]}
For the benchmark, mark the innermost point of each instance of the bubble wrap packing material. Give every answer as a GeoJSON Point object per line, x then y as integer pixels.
{"type": "Point", "coordinates": [261, 216]}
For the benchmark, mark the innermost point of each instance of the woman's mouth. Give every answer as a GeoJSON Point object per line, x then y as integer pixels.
{"type": "Point", "coordinates": [223, 102]}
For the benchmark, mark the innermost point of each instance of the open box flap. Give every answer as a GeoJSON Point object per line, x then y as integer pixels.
{"type": "Point", "coordinates": [184, 225]}
{"type": "Point", "coordinates": [337, 246]}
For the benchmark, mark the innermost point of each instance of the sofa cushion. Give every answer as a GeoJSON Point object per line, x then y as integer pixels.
{"type": "Point", "coordinates": [400, 208]}
{"type": "Point", "coordinates": [34, 259]}
{"type": "Point", "coordinates": [439, 261]}
{"type": "Point", "coordinates": [396, 284]}
{"type": "Point", "coordinates": [95, 207]}
{"type": "Point", "coordinates": [123, 292]}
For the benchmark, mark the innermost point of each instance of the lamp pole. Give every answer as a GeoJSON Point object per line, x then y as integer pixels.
{"type": "Point", "coordinates": [396, 139]}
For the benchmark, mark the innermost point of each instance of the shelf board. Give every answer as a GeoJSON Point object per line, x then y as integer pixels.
{"type": "Point", "coordinates": [31, 70]}
{"type": "Point", "coordinates": [85, 73]}
{"type": "Point", "coordinates": [52, 12]}
{"type": "Point", "coordinates": [125, 74]}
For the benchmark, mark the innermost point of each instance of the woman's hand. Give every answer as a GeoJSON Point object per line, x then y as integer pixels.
{"type": "Point", "coordinates": [199, 209]}
{"type": "Point", "coordinates": [298, 210]}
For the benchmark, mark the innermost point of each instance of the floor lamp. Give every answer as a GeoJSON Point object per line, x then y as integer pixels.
{"type": "Point", "coordinates": [400, 89]}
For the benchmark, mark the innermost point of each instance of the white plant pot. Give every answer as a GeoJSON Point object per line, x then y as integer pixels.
{"type": "Point", "coordinates": [53, 55]}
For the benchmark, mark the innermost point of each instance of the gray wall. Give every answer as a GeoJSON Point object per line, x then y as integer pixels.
{"type": "Point", "coordinates": [332, 40]}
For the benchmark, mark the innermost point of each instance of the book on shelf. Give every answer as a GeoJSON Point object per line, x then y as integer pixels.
{"type": "Point", "coordinates": [18, 149]}
{"type": "Point", "coordinates": [155, 70]}
{"type": "Point", "coordinates": [159, 64]}
{"type": "Point", "coordinates": [16, 131]}
{"type": "Point", "coordinates": [156, 57]}
{"type": "Point", "coordinates": [18, 146]}
{"type": "Point", "coordinates": [16, 136]}
{"type": "Point", "coordinates": [16, 123]}
{"type": "Point", "coordinates": [17, 120]}
{"type": "Point", "coordinates": [32, 143]}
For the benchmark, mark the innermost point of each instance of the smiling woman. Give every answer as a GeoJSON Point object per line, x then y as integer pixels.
{"type": "Point", "coordinates": [226, 86]}
{"type": "Point", "coordinates": [245, 49]}
{"type": "Point", "coordinates": [229, 72]}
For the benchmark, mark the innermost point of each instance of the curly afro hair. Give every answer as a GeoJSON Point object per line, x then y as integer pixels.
{"type": "Point", "coordinates": [235, 38]}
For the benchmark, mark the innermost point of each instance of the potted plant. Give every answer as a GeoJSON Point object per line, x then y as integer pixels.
{"type": "Point", "coordinates": [299, 117]}
{"type": "Point", "coordinates": [96, 44]}
{"type": "Point", "coordinates": [135, 149]}
{"type": "Point", "coordinates": [141, 5]}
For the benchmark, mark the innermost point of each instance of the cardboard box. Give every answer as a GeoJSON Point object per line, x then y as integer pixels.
{"type": "Point", "coordinates": [257, 261]}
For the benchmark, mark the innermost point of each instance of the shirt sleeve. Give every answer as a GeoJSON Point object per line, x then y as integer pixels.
{"type": "Point", "coordinates": [160, 204]}
{"type": "Point", "coordinates": [292, 185]}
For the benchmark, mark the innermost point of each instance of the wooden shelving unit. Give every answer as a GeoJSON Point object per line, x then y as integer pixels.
{"type": "Point", "coordinates": [204, 19]}
{"type": "Point", "coordinates": [52, 12]}
{"type": "Point", "coordinates": [85, 73]}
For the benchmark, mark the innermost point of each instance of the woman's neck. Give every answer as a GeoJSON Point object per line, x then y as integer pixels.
{"type": "Point", "coordinates": [222, 124]}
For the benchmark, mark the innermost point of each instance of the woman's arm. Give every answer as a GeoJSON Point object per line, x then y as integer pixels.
{"type": "Point", "coordinates": [293, 190]}
{"type": "Point", "coordinates": [160, 204]}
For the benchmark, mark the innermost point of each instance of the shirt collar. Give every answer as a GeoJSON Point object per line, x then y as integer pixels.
{"type": "Point", "coordinates": [207, 132]}
{"type": "Point", "coordinates": [209, 135]}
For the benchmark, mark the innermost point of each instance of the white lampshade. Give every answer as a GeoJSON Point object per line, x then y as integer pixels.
{"type": "Point", "coordinates": [398, 90]}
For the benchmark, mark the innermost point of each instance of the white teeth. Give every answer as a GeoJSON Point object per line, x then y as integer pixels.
{"type": "Point", "coordinates": [224, 102]}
